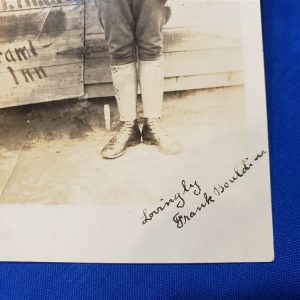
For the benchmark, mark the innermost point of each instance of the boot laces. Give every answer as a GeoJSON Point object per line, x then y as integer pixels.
{"type": "Point", "coordinates": [123, 131]}
{"type": "Point", "coordinates": [155, 127]}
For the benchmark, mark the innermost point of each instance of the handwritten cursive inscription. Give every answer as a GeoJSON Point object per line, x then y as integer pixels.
{"type": "Point", "coordinates": [178, 197]}
{"type": "Point", "coordinates": [182, 219]}
{"type": "Point", "coordinates": [238, 173]}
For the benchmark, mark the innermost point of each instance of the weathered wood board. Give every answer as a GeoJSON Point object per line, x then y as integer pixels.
{"type": "Point", "coordinates": [15, 5]}
{"type": "Point", "coordinates": [178, 83]}
{"type": "Point", "coordinates": [199, 62]}
{"type": "Point", "coordinates": [50, 50]}
{"type": "Point", "coordinates": [41, 51]}
{"type": "Point", "coordinates": [202, 45]}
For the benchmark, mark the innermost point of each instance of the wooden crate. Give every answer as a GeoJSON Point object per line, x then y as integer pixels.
{"type": "Point", "coordinates": [41, 51]}
{"type": "Point", "coordinates": [55, 49]}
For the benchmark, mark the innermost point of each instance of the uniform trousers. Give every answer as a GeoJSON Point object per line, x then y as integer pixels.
{"type": "Point", "coordinates": [133, 29]}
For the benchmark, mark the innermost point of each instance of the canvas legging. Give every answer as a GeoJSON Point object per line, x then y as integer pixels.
{"type": "Point", "coordinates": [133, 28]}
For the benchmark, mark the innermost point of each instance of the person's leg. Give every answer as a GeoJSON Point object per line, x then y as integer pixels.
{"type": "Point", "coordinates": [150, 18]}
{"type": "Point", "coordinates": [118, 23]}
{"type": "Point", "coordinates": [117, 20]}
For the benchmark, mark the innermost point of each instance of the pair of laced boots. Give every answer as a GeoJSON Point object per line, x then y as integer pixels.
{"type": "Point", "coordinates": [129, 134]}
{"type": "Point", "coordinates": [151, 77]}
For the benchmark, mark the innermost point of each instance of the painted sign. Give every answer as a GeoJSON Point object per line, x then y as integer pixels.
{"type": "Point", "coordinates": [41, 52]}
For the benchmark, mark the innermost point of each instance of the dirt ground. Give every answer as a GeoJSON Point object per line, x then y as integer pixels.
{"type": "Point", "coordinates": [21, 127]}
{"type": "Point", "coordinates": [50, 152]}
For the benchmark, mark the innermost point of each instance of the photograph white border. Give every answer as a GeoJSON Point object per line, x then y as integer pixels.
{"type": "Point", "coordinates": [115, 234]}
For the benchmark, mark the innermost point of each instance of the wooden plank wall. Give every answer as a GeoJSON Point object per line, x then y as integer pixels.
{"type": "Point", "coordinates": [203, 48]}
{"type": "Point", "coordinates": [42, 43]}
{"type": "Point", "coordinates": [41, 50]}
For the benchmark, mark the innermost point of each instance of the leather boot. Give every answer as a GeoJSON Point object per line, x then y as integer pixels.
{"type": "Point", "coordinates": [153, 134]}
{"type": "Point", "coordinates": [128, 134]}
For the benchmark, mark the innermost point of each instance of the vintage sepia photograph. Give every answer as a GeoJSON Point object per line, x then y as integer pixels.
{"type": "Point", "coordinates": [133, 131]}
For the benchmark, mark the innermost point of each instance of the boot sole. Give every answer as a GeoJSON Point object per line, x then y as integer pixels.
{"type": "Point", "coordinates": [123, 152]}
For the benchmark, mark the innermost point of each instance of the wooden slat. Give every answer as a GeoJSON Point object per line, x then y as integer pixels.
{"type": "Point", "coordinates": [204, 81]}
{"type": "Point", "coordinates": [203, 62]}
{"type": "Point", "coordinates": [186, 13]}
{"type": "Point", "coordinates": [210, 15]}
{"type": "Point", "coordinates": [63, 82]}
{"type": "Point", "coordinates": [91, 18]}
{"type": "Point", "coordinates": [177, 83]}
{"type": "Point", "coordinates": [45, 62]}
{"type": "Point", "coordinates": [99, 90]}
{"type": "Point", "coordinates": [177, 64]}
{"type": "Point", "coordinates": [58, 53]}
{"type": "Point", "coordinates": [36, 24]}
{"type": "Point", "coordinates": [175, 40]}
{"type": "Point", "coordinates": [17, 5]}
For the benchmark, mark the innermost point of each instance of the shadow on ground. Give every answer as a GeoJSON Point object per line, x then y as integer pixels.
{"type": "Point", "coordinates": [21, 126]}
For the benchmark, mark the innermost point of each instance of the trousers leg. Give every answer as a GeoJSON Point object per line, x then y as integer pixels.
{"type": "Point", "coordinates": [150, 17]}
{"type": "Point", "coordinates": [131, 23]}
{"type": "Point", "coordinates": [117, 19]}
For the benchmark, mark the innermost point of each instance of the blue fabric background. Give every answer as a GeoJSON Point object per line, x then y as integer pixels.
{"type": "Point", "coordinates": [278, 280]}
